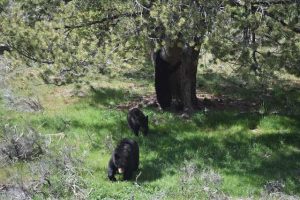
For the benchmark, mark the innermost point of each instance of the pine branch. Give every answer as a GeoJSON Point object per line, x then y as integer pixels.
{"type": "Point", "coordinates": [272, 2]}
{"type": "Point", "coordinates": [282, 22]}
{"type": "Point", "coordinates": [145, 10]}
{"type": "Point", "coordinates": [26, 55]}
{"type": "Point", "coordinates": [268, 3]}
{"type": "Point", "coordinates": [107, 19]}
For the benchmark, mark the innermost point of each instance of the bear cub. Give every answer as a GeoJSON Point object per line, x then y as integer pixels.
{"type": "Point", "coordinates": [124, 159]}
{"type": "Point", "coordinates": [137, 120]}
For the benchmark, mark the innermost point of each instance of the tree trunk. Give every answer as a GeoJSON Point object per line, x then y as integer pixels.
{"type": "Point", "coordinates": [182, 79]}
{"type": "Point", "coordinates": [188, 73]}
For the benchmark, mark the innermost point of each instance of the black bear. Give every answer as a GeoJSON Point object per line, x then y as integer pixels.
{"type": "Point", "coordinates": [124, 159]}
{"type": "Point", "coordinates": [163, 71]}
{"type": "Point", "coordinates": [137, 120]}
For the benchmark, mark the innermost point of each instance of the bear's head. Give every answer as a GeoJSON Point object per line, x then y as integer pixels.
{"type": "Point", "coordinates": [120, 162]}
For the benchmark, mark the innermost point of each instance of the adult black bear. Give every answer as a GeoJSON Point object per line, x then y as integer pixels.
{"type": "Point", "coordinates": [137, 120]}
{"type": "Point", "coordinates": [124, 159]}
{"type": "Point", "coordinates": [163, 71]}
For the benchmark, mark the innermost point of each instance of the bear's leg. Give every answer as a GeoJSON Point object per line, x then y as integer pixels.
{"type": "Point", "coordinates": [136, 158]}
{"type": "Point", "coordinates": [130, 123]}
{"type": "Point", "coordinates": [134, 127]}
{"type": "Point", "coordinates": [111, 170]}
{"type": "Point", "coordinates": [136, 130]}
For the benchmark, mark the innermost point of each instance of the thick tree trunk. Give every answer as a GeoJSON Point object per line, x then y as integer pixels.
{"type": "Point", "coordinates": [187, 77]}
{"type": "Point", "coordinates": [182, 79]}
{"type": "Point", "coordinates": [176, 86]}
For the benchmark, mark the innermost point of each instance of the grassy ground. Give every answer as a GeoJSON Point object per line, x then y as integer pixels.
{"type": "Point", "coordinates": [246, 137]}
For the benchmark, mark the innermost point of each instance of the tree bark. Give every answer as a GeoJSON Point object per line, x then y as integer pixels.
{"type": "Point", "coordinates": [182, 80]}
{"type": "Point", "coordinates": [188, 75]}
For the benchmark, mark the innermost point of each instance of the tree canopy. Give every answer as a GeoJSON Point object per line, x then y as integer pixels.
{"type": "Point", "coordinates": [78, 36]}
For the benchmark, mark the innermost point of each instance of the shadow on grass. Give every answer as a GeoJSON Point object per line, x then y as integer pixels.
{"type": "Point", "coordinates": [280, 97]}
{"type": "Point", "coordinates": [269, 156]}
{"type": "Point", "coordinates": [110, 97]}
{"type": "Point", "coordinates": [221, 85]}
{"type": "Point", "coordinates": [283, 161]}
{"type": "Point", "coordinates": [214, 119]}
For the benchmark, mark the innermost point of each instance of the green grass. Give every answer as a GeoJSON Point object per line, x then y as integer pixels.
{"type": "Point", "coordinates": [247, 149]}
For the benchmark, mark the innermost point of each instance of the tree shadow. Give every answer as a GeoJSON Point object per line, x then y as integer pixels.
{"type": "Point", "coordinates": [266, 156]}
{"type": "Point", "coordinates": [150, 171]}
{"type": "Point", "coordinates": [236, 153]}
{"type": "Point", "coordinates": [269, 157]}
{"type": "Point", "coordinates": [110, 96]}
{"type": "Point", "coordinates": [281, 96]}
{"type": "Point", "coordinates": [214, 119]}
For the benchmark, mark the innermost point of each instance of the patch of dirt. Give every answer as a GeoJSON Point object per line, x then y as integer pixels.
{"type": "Point", "coordinates": [62, 92]}
{"type": "Point", "coordinates": [144, 101]}
{"type": "Point", "coordinates": [205, 101]}
{"type": "Point", "coordinates": [213, 102]}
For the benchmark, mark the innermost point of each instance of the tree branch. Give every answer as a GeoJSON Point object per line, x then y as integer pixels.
{"type": "Point", "coordinates": [262, 2]}
{"type": "Point", "coordinates": [272, 2]}
{"type": "Point", "coordinates": [268, 3]}
{"type": "Point", "coordinates": [26, 55]}
{"type": "Point", "coordinates": [110, 18]}
{"type": "Point", "coordinates": [145, 10]}
{"type": "Point", "coordinates": [282, 22]}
